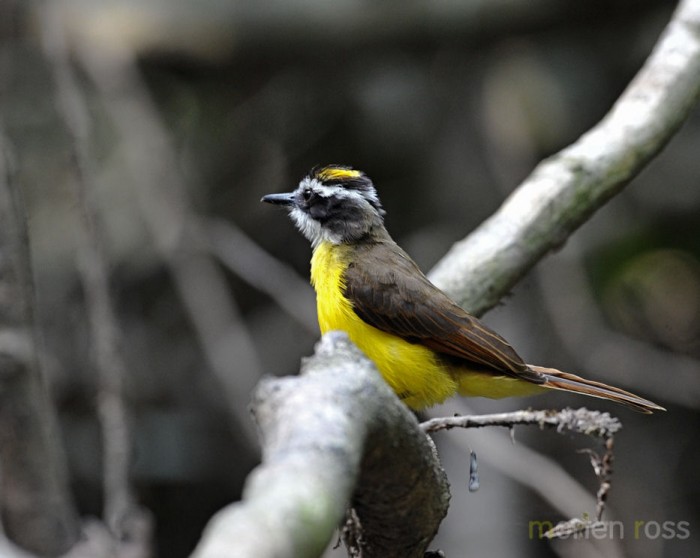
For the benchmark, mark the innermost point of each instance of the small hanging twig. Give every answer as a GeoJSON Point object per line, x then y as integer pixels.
{"type": "Point", "coordinates": [580, 421]}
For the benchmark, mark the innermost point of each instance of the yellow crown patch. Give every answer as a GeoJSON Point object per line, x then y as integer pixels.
{"type": "Point", "coordinates": [337, 173]}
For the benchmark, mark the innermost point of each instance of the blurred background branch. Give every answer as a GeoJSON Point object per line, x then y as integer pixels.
{"type": "Point", "coordinates": [35, 503]}
{"type": "Point", "coordinates": [263, 272]}
{"type": "Point", "coordinates": [126, 522]}
{"type": "Point", "coordinates": [622, 358]}
{"type": "Point", "coordinates": [160, 194]}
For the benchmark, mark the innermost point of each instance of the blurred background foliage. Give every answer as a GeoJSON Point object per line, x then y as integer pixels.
{"type": "Point", "coordinates": [447, 106]}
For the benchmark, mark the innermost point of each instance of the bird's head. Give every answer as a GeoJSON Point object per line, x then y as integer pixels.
{"type": "Point", "coordinates": [333, 203]}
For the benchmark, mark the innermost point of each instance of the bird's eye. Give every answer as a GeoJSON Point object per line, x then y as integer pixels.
{"type": "Point", "coordinates": [307, 194]}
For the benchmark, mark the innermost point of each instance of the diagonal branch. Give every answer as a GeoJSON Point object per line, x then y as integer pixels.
{"type": "Point", "coordinates": [566, 189]}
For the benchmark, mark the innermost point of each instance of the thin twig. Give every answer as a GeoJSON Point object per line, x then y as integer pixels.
{"type": "Point", "coordinates": [602, 466]}
{"type": "Point", "coordinates": [582, 421]}
{"type": "Point", "coordinates": [541, 474]}
{"type": "Point", "coordinates": [351, 534]}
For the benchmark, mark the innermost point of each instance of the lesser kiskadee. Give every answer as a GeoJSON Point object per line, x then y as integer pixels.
{"type": "Point", "coordinates": [426, 347]}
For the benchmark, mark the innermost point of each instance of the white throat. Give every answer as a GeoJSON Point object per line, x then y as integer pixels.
{"type": "Point", "coordinates": [312, 229]}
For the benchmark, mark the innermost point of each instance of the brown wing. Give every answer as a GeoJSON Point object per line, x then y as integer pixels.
{"type": "Point", "coordinates": [389, 292]}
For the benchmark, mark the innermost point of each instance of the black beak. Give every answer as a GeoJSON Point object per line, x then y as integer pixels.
{"type": "Point", "coordinates": [279, 199]}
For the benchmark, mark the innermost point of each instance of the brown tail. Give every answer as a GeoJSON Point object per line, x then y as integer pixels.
{"type": "Point", "coordinates": [555, 379]}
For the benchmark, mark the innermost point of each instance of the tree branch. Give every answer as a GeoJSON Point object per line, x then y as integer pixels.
{"type": "Point", "coordinates": [561, 194]}
{"type": "Point", "coordinates": [37, 511]}
{"type": "Point", "coordinates": [335, 427]}
{"type": "Point", "coordinates": [566, 189]}
{"type": "Point", "coordinates": [581, 421]}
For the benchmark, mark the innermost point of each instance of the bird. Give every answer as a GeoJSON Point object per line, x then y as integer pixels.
{"type": "Point", "coordinates": [426, 347]}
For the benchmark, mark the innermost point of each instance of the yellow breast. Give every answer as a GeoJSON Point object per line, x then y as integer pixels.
{"type": "Point", "coordinates": [410, 369]}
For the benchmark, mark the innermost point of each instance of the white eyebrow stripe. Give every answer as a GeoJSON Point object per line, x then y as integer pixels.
{"type": "Point", "coordinates": [328, 191]}
{"type": "Point", "coordinates": [338, 192]}
{"type": "Point", "coordinates": [333, 190]}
